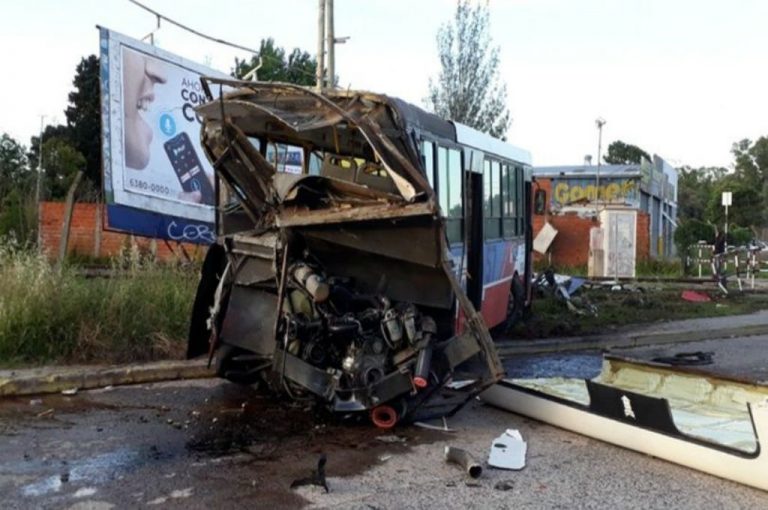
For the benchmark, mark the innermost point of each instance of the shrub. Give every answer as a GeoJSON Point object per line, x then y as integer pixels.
{"type": "Point", "coordinates": [690, 232]}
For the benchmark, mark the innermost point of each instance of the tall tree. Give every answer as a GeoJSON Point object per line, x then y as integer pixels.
{"type": "Point", "coordinates": [84, 116]}
{"type": "Point", "coordinates": [61, 161]}
{"type": "Point", "coordinates": [14, 170]}
{"type": "Point", "coordinates": [620, 153]}
{"type": "Point", "coordinates": [17, 181]}
{"type": "Point", "coordinates": [82, 132]}
{"type": "Point", "coordinates": [298, 67]}
{"type": "Point", "coordinates": [748, 208]}
{"type": "Point", "coordinates": [695, 186]}
{"type": "Point", "coordinates": [468, 88]}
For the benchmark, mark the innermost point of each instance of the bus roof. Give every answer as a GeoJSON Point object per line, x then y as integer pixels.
{"type": "Point", "coordinates": [471, 137]}
{"type": "Point", "coordinates": [458, 133]}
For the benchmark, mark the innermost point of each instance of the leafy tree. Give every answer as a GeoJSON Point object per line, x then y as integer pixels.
{"type": "Point", "coordinates": [50, 131]}
{"type": "Point", "coordinates": [17, 181]}
{"type": "Point", "coordinates": [695, 186]}
{"type": "Point", "coordinates": [298, 67]}
{"type": "Point", "coordinates": [748, 207]}
{"type": "Point", "coordinates": [691, 231]}
{"type": "Point", "coordinates": [84, 116]}
{"type": "Point", "coordinates": [468, 88]}
{"type": "Point", "coordinates": [13, 165]}
{"type": "Point", "coordinates": [620, 153]}
{"type": "Point", "coordinates": [61, 161]}
{"type": "Point", "coordinates": [82, 132]}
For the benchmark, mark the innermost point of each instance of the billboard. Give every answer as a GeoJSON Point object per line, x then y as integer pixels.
{"type": "Point", "coordinates": [157, 180]}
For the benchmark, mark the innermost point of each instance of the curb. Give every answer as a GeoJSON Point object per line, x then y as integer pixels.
{"type": "Point", "coordinates": [624, 341]}
{"type": "Point", "coordinates": [56, 380]}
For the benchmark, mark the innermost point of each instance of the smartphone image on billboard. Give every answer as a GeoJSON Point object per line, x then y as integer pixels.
{"type": "Point", "coordinates": [186, 164]}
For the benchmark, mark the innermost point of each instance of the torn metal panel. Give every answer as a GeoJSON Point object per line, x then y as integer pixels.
{"type": "Point", "coordinates": [709, 424]}
{"type": "Point", "coordinates": [342, 287]}
{"type": "Point", "coordinates": [293, 110]}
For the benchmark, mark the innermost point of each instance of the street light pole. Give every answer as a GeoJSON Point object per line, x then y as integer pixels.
{"type": "Point", "coordinates": [600, 122]}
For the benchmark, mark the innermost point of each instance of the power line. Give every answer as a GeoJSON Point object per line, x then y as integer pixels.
{"type": "Point", "coordinates": [211, 38]}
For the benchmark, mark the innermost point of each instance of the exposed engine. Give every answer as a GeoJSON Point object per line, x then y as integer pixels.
{"type": "Point", "coordinates": [362, 338]}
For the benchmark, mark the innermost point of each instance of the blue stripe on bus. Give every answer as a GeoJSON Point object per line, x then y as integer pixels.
{"type": "Point", "coordinates": [497, 263]}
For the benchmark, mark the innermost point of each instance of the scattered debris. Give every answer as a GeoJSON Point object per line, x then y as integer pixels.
{"type": "Point", "coordinates": [562, 288]}
{"type": "Point", "coordinates": [695, 297]}
{"type": "Point", "coordinates": [504, 485]}
{"type": "Point", "coordinates": [84, 492]}
{"type": "Point", "coordinates": [508, 451]}
{"type": "Point", "coordinates": [36, 402]}
{"type": "Point", "coordinates": [391, 438]}
{"type": "Point", "coordinates": [47, 412]}
{"type": "Point", "coordinates": [317, 477]}
{"type": "Point", "coordinates": [687, 359]}
{"type": "Point", "coordinates": [429, 426]}
{"type": "Point", "coordinates": [463, 459]}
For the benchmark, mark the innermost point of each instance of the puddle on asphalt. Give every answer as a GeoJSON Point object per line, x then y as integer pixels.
{"type": "Point", "coordinates": [95, 470]}
{"type": "Point", "coordinates": [582, 365]}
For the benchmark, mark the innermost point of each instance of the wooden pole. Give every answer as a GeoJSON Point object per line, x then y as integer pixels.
{"type": "Point", "coordinates": [68, 208]}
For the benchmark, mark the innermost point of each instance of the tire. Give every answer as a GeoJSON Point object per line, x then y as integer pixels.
{"type": "Point", "coordinates": [516, 304]}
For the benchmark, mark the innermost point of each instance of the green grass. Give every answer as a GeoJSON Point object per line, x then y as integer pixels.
{"type": "Point", "coordinates": [55, 315]}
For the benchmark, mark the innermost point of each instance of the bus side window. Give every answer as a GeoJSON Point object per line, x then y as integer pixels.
{"type": "Point", "coordinates": [521, 212]}
{"type": "Point", "coordinates": [442, 179]}
{"type": "Point", "coordinates": [509, 222]}
{"type": "Point", "coordinates": [455, 209]}
{"type": "Point", "coordinates": [493, 199]}
{"type": "Point", "coordinates": [428, 158]}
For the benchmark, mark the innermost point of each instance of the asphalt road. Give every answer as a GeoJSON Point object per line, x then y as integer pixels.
{"type": "Point", "coordinates": [211, 444]}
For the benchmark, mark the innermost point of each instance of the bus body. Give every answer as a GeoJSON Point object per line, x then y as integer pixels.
{"type": "Point", "coordinates": [357, 251]}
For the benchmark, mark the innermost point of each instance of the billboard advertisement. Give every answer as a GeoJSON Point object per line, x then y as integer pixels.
{"type": "Point", "coordinates": [157, 180]}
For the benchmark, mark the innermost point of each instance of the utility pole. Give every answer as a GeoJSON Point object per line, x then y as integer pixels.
{"type": "Point", "coordinates": [320, 77]}
{"type": "Point", "coordinates": [38, 184]}
{"type": "Point", "coordinates": [331, 43]}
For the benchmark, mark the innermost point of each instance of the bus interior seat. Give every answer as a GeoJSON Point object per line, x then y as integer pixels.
{"type": "Point", "coordinates": [339, 167]}
{"type": "Point", "coordinates": [375, 177]}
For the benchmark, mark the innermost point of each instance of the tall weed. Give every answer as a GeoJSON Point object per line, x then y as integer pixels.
{"type": "Point", "coordinates": [55, 314]}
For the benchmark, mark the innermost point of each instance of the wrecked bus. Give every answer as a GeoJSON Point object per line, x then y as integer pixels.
{"type": "Point", "coordinates": [368, 279]}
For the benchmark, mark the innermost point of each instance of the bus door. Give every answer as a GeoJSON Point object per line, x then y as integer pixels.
{"type": "Point", "coordinates": [473, 224]}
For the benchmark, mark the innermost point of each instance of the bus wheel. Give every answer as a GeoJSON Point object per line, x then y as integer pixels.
{"type": "Point", "coordinates": [516, 304]}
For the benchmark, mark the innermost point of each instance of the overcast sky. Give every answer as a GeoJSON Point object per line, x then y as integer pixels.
{"type": "Point", "coordinates": [683, 79]}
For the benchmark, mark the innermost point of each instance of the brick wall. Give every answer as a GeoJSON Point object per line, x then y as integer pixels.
{"type": "Point", "coordinates": [571, 245]}
{"type": "Point", "coordinates": [83, 235]}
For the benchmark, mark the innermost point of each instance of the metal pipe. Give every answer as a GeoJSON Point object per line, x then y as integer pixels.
{"type": "Point", "coordinates": [463, 458]}
{"type": "Point", "coordinates": [421, 372]}
{"type": "Point", "coordinates": [384, 416]}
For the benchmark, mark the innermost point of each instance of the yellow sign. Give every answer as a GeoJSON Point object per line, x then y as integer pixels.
{"type": "Point", "coordinates": [566, 193]}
